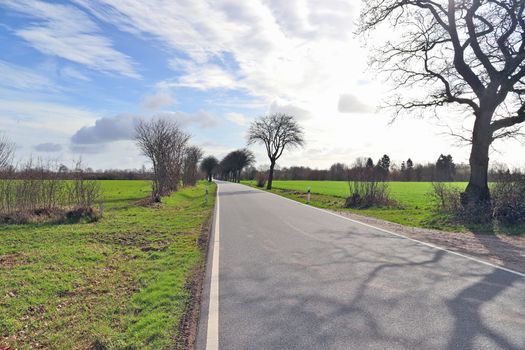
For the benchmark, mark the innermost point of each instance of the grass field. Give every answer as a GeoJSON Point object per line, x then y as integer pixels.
{"type": "Point", "coordinates": [415, 204]}
{"type": "Point", "coordinates": [118, 283]}
{"type": "Point", "coordinates": [407, 194]}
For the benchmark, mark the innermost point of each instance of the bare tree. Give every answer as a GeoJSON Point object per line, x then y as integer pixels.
{"type": "Point", "coordinates": [191, 161]}
{"type": "Point", "coordinates": [7, 152]}
{"type": "Point", "coordinates": [466, 53]}
{"type": "Point", "coordinates": [164, 143]}
{"type": "Point", "coordinates": [277, 132]}
{"type": "Point", "coordinates": [208, 166]}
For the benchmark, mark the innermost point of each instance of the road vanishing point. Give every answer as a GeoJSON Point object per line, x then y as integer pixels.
{"type": "Point", "coordinates": [282, 275]}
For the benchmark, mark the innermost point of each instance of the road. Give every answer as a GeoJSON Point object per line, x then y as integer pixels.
{"type": "Point", "coordinates": [294, 277]}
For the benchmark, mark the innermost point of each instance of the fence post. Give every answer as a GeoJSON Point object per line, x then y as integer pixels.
{"type": "Point", "coordinates": [206, 195]}
{"type": "Point", "coordinates": [308, 194]}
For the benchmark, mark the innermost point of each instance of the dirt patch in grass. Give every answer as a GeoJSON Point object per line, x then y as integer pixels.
{"type": "Point", "coordinates": [503, 250]}
{"type": "Point", "coordinates": [152, 241]}
{"type": "Point", "coordinates": [10, 260]}
{"type": "Point", "coordinates": [52, 216]}
{"type": "Point", "coordinates": [187, 333]}
{"type": "Point", "coordinates": [148, 202]}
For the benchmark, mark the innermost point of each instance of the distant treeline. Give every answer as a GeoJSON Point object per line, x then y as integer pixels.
{"type": "Point", "coordinates": [444, 169]}
{"type": "Point", "coordinates": [64, 173]}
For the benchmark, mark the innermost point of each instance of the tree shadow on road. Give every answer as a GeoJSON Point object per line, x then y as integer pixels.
{"type": "Point", "coordinates": [468, 304]}
{"type": "Point", "coordinates": [385, 306]}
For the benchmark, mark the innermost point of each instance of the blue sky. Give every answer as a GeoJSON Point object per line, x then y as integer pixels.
{"type": "Point", "coordinates": [76, 75]}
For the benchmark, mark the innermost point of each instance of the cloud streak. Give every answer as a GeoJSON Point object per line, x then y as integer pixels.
{"type": "Point", "coordinates": [67, 32]}
{"type": "Point", "coordinates": [201, 119]}
{"type": "Point", "coordinates": [36, 115]}
{"type": "Point", "coordinates": [48, 147]}
{"type": "Point", "coordinates": [18, 77]}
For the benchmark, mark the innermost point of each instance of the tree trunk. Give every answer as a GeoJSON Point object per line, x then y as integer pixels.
{"type": "Point", "coordinates": [270, 176]}
{"type": "Point", "coordinates": [477, 191]}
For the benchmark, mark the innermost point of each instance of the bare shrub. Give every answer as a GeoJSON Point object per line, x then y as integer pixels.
{"type": "Point", "coordinates": [35, 193]}
{"type": "Point", "coordinates": [261, 179]}
{"type": "Point", "coordinates": [366, 194]}
{"type": "Point", "coordinates": [83, 193]}
{"type": "Point", "coordinates": [164, 143]}
{"type": "Point", "coordinates": [7, 152]}
{"type": "Point", "coordinates": [448, 201]}
{"type": "Point", "coordinates": [193, 155]}
{"type": "Point", "coordinates": [367, 190]}
{"type": "Point", "coordinates": [508, 199]}
{"type": "Point", "coordinates": [447, 198]}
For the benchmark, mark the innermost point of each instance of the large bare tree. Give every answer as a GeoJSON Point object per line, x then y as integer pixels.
{"type": "Point", "coordinates": [164, 143]}
{"type": "Point", "coordinates": [277, 132]}
{"type": "Point", "coordinates": [466, 53]}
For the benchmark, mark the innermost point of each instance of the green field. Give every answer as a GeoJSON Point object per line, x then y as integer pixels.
{"type": "Point", "coordinates": [407, 194]}
{"type": "Point", "coordinates": [118, 283]}
{"type": "Point", "coordinates": [415, 206]}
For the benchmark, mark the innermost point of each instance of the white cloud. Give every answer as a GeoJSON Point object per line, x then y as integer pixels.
{"type": "Point", "coordinates": [290, 109]}
{"type": "Point", "coordinates": [122, 128]}
{"type": "Point", "coordinates": [201, 76]}
{"type": "Point", "coordinates": [157, 101]}
{"type": "Point", "coordinates": [237, 118]}
{"type": "Point", "coordinates": [66, 32]}
{"type": "Point", "coordinates": [349, 103]}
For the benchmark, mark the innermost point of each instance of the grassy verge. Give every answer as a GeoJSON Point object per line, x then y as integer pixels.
{"type": "Point", "coordinates": [415, 205]}
{"type": "Point", "coordinates": [118, 283]}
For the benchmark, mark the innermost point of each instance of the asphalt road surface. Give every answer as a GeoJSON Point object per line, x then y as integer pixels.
{"type": "Point", "coordinates": [294, 277]}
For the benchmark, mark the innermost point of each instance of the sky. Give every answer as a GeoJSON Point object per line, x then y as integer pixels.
{"type": "Point", "coordinates": [75, 76]}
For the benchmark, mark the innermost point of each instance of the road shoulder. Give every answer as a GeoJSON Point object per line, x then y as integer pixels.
{"type": "Point", "coordinates": [198, 286]}
{"type": "Point", "coordinates": [502, 250]}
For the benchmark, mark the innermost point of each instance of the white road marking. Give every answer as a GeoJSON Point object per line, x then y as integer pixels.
{"type": "Point", "coordinates": [399, 235]}
{"type": "Point", "coordinates": [212, 338]}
